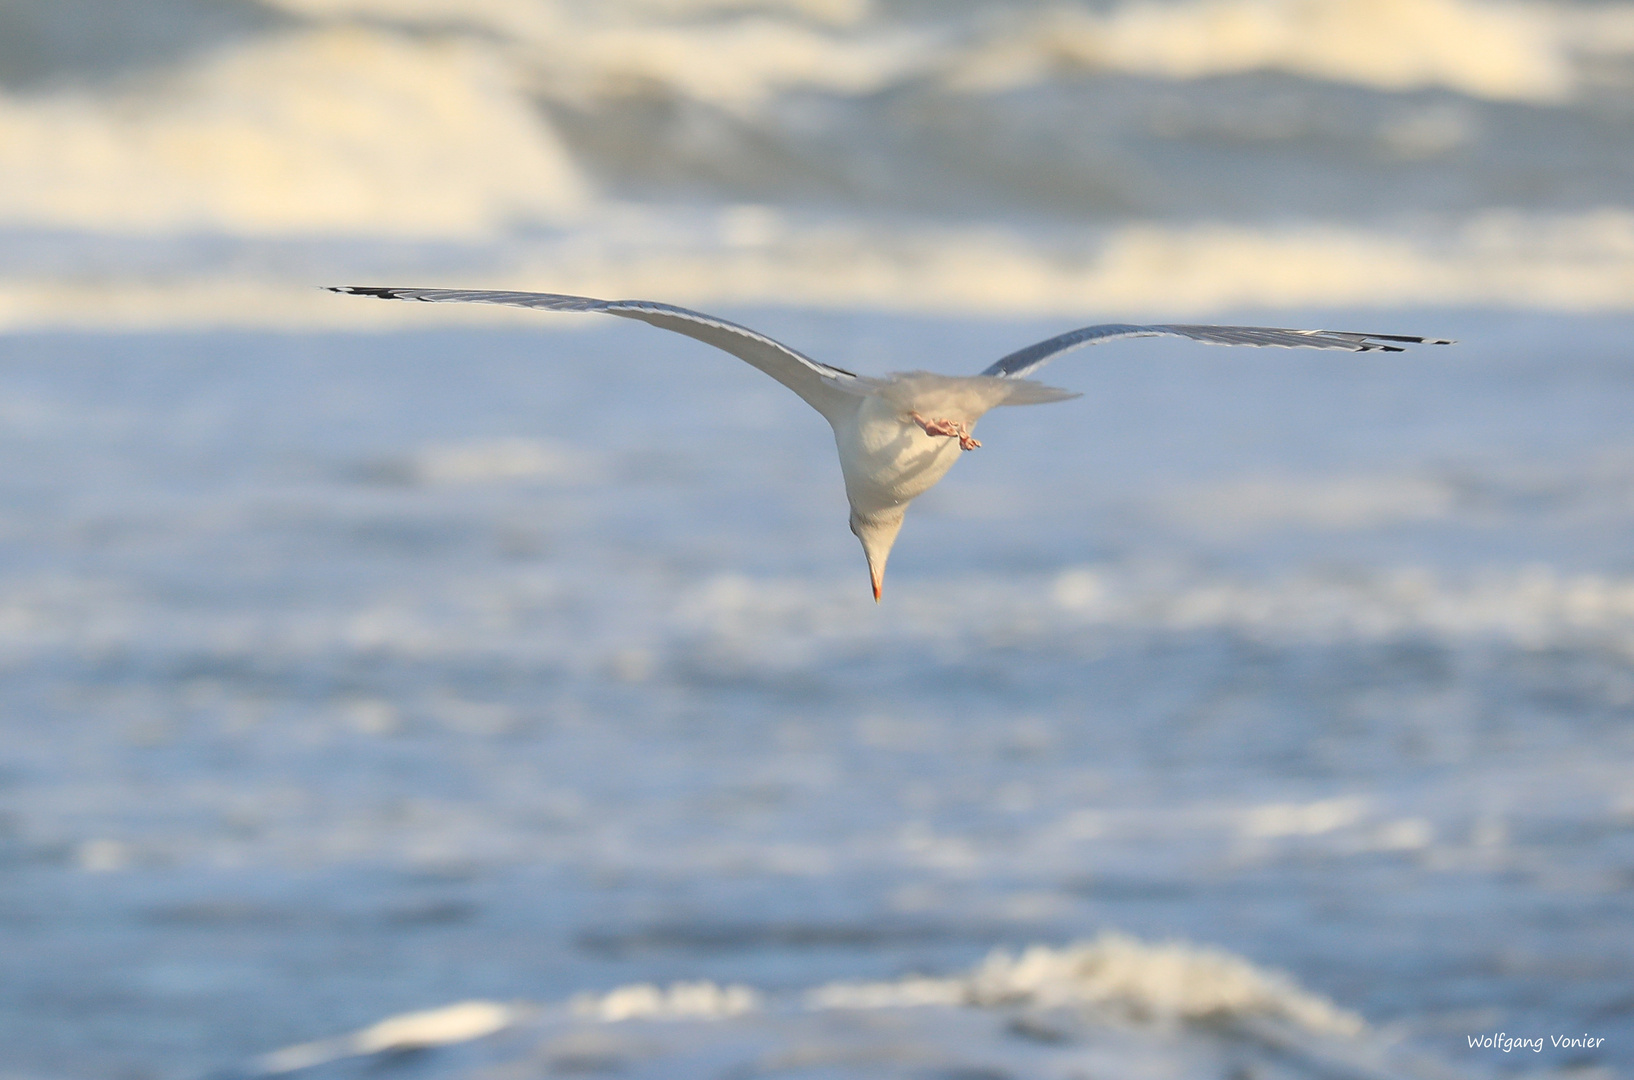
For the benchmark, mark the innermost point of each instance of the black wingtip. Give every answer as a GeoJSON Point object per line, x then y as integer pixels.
{"type": "Point", "coordinates": [1412, 339]}
{"type": "Point", "coordinates": [363, 290]}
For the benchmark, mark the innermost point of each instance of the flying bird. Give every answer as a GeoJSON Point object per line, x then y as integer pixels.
{"type": "Point", "coordinates": [897, 435]}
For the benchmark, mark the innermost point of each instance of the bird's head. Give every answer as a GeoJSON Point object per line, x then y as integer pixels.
{"type": "Point", "coordinates": [877, 533]}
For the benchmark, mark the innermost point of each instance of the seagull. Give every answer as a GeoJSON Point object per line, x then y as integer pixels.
{"type": "Point", "coordinates": [900, 434]}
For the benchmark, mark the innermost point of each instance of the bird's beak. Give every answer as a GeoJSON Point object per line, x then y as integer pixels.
{"type": "Point", "coordinates": [877, 535]}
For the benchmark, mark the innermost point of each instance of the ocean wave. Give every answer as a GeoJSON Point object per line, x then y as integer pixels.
{"type": "Point", "coordinates": [1567, 263]}
{"type": "Point", "coordinates": [694, 1000]}
{"type": "Point", "coordinates": [1520, 50]}
{"type": "Point", "coordinates": [1532, 608]}
{"type": "Point", "coordinates": [1138, 1004]}
{"type": "Point", "coordinates": [444, 119]}
{"type": "Point", "coordinates": [1496, 50]}
{"type": "Point", "coordinates": [405, 1033]}
{"type": "Point", "coordinates": [333, 130]}
{"type": "Point", "coordinates": [733, 623]}
{"type": "Point", "coordinates": [1171, 981]}
{"type": "Point", "coordinates": [587, 50]}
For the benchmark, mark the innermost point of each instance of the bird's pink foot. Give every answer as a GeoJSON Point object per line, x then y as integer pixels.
{"type": "Point", "coordinates": [951, 429]}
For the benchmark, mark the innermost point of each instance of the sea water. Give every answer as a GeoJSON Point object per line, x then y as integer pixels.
{"type": "Point", "coordinates": [182, 163]}
{"type": "Point", "coordinates": [355, 675]}
{"type": "Point", "coordinates": [403, 689]}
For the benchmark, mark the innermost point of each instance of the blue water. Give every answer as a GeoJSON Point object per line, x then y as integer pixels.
{"type": "Point", "coordinates": [353, 674]}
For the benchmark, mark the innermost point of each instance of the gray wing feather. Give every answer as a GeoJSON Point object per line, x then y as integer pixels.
{"type": "Point", "coordinates": [1023, 362]}
{"type": "Point", "coordinates": [823, 386]}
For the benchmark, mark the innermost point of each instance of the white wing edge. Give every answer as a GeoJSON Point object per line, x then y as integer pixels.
{"type": "Point", "coordinates": [821, 385]}
{"type": "Point", "coordinates": [1023, 362]}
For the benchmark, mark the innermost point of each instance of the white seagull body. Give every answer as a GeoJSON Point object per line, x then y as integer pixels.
{"type": "Point", "coordinates": [897, 435]}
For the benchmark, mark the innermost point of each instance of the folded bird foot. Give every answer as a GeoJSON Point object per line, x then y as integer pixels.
{"type": "Point", "coordinates": [951, 429]}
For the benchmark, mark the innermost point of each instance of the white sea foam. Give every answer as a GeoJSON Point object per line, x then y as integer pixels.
{"type": "Point", "coordinates": [444, 1026]}
{"type": "Point", "coordinates": [1575, 263]}
{"type": "Point", "coordinates": [422, 119]}
{"type": "Point", "coordinates": [1484, 48]}
{"type": "Point", "coordinates": [1531, 607]}
{"type": "Point", "coordinates": [580, 51]}
{"type": "Point", "coordinates": [1134, 1002]}
{"type": "Point", "coordinates": [684, 1000]}
{"type": "Point", "coordinates": [330, 130]}
{"type": "Point", "coordinates": [1169, 981]}
{"type": "Point", "coordinates": [1534, 608]}
{"type": "Point", "coordinates": [1112, 980]}
{"type": "Point", "coordinates": [1304, 819]}
{"type": "Point", "coordinates": [1500, 49]}
{"type": "Point", "coordinates": [739, 624]}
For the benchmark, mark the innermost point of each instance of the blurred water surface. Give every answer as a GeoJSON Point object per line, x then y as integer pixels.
{"type": "Point", "coordinates": [364, 658]}
{"type": "Point", "coordinates": [351, 674]}
{"type": "Point", "coordinates": [184, 163]}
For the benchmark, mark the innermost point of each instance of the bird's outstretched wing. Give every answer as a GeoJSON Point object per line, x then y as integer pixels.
{"type": "Point", "coordinates": [1023, 362]}
{"type": "Point", "coordinates": [823, 386]}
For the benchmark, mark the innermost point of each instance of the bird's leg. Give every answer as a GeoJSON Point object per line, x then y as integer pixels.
{"type": "Point", "coordinates": [950, 429]}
